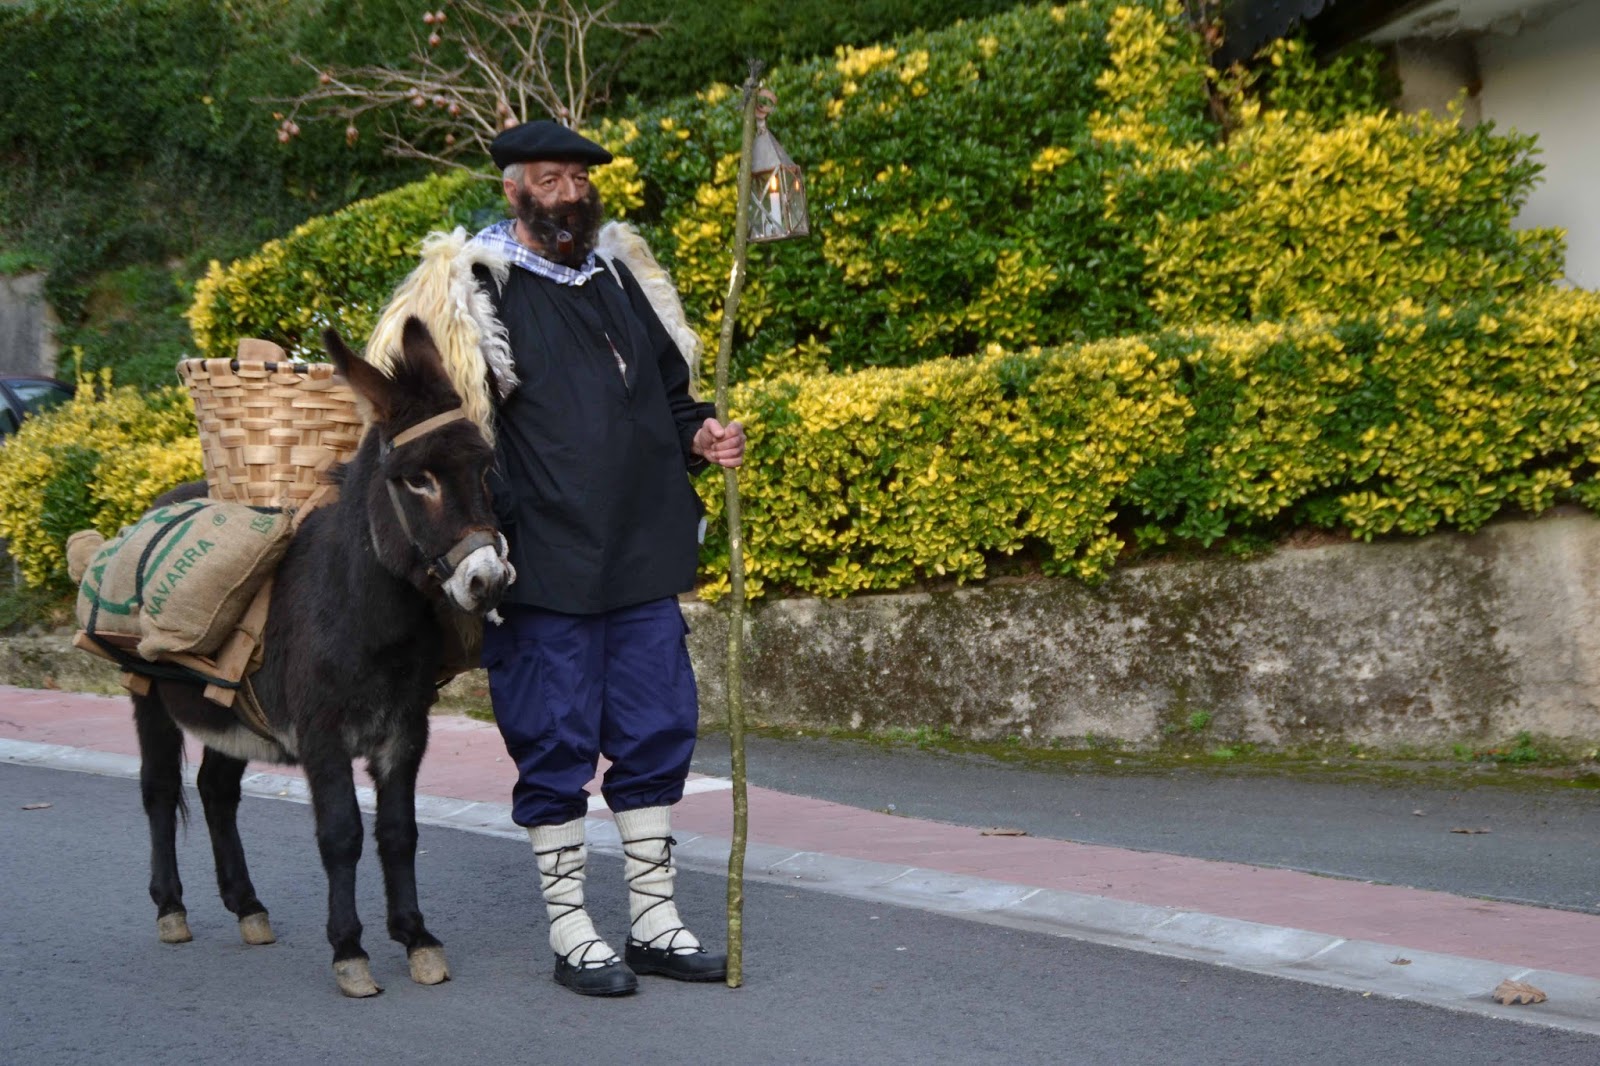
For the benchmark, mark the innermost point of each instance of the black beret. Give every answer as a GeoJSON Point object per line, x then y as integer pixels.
{"type": "Point", "coordinates": [544, 139]}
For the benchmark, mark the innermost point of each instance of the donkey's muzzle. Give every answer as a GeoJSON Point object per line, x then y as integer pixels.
{"type": "Point", "coordinates": [479, 571]}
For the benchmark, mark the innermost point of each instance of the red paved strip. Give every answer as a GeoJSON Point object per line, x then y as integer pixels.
{"type": "Point", "coordinates": [466, 761]}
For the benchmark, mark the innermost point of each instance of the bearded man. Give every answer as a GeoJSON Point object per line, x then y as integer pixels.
{"type": "Point", "coordinates": [595, 444]}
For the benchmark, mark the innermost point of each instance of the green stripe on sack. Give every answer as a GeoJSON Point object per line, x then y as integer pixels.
{"type": "Point", "coordinates": [97, 566]}
{"type": "Point", "coordinates": [158, 592]}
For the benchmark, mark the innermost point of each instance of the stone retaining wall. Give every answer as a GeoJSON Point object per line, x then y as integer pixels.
{"type": "Point", "coordinates": [1413, 642]}
{"type": "Point", "coordinates": [27, 327]}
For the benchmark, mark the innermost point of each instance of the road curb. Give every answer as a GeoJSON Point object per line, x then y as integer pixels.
{"type": "Point", "coordinates": [1449, 981]}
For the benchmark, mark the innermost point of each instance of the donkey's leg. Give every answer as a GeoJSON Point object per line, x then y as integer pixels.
{"type": "Point", "coordinates": [396, 831]}
{"type": "Point", "coordinates": [339, 831]}
{"type": "Point", "coordinates": [218, 780]}
{"type": "Point", "coordinates": [161, 788]}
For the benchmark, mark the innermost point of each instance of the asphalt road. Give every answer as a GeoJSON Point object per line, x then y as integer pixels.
{"type": "Point", "coordinates": [1539, 846]}
{"type": "Point", "coordinates": [828, 980]}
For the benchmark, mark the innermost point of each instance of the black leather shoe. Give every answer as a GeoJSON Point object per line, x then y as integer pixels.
{"type": "Point", "coordinates": [700, 965]}
{"type": "Point", "coordinates": [612, 979]}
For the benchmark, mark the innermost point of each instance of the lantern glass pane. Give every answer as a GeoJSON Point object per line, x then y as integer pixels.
{"type": "Point", "coordinates": [794, 203]}
{"type": "Point", "coordinates": [778, 204]}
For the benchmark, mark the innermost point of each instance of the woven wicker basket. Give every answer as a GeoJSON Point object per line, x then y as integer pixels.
{"type": "Point", "coordinates": [269, 427]}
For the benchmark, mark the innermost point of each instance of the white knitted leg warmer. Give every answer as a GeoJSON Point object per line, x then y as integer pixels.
{"type": "Point", "coordinates": [647, 850]}
{"type": "Point", "coordinates": [561, 855]}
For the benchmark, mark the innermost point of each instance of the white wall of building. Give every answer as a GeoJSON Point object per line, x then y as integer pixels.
{"type": "Point", "coordinates": [1544, 79]}
{"type": "Point", "coordinates": [1528, 65]}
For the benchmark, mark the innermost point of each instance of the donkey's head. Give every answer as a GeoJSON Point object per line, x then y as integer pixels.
{"type": "Point", "coordinates": [427, 497]}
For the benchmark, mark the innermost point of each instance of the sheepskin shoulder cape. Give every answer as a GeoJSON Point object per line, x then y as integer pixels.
{"type": "Point", "coordinates": [443, 292]}
{"type": "Point", "coordinates": [621, 243]}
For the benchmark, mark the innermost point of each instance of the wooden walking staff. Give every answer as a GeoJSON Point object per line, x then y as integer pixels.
{"type": "Point", "coordinates": [730, 477]}
{"type": "Point", "coordinates": [775, 213]}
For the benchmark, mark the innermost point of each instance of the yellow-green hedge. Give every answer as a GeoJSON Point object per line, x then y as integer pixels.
{"type": "Point", "coordinates": [94, 462]}
{"type": "Point", "coordinates": [1399, 422]}
{"type": "Point", "coordinates": [1295, 213]}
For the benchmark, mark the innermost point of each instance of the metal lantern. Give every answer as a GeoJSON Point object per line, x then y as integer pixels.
{"type": "Point", "coordinates": [777, 189]}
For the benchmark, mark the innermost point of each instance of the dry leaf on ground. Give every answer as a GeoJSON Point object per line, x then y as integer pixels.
{"type": "Point", "coordinates": [1513, 993]}
{"type": "Point", "coordinates": [1004, 831]}
{"type": "Point", "coordinates": [1399, 961]}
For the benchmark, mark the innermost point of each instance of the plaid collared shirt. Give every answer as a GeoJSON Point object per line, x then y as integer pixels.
{"type": "Point", "coordinates": [502, 238]}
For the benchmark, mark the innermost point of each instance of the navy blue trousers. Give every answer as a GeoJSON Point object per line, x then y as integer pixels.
{"type": "Point", "coordinates": [568, 688]}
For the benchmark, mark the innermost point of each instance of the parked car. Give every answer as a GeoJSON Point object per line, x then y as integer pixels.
{"type": "Point", "coordinates": [22, 395]}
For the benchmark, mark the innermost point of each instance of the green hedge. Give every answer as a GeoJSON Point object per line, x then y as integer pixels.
{"type": "Point", "coordinates": [712, 40]}
{"type": "Point", "coordinates": [962, 115]}
{"type": "Point", "coordinates": [134, 131]}
{"type": "Point", "coordinates": [335, 270]}
{"type": "Point", "coordinates": [1045, 176]}
{"type": "Point", "coordinates": [1402, 422]}
{"type": "Point", "coordinates": [148, 137]}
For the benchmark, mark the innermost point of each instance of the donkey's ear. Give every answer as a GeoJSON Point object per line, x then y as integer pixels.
{"type": "Point", "coordinates": [421, 352]}
{"type": "Point", "coordinates": [370, 386]}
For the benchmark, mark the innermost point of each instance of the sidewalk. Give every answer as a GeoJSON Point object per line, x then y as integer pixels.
{"type": "Point", "coordinates": [1383, 940]}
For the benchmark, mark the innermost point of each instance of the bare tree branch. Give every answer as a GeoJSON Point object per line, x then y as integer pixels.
{"type": "Point", "coordinates": [485, 66]}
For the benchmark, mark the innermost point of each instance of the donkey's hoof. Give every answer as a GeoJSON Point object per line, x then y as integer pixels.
{"type": "Point", "coordinates": [174, 928]}
{"type": "Point", "coordinates": [428, 966]}
{"type": "Point", "coordinates": [355, 978]}
{"type": "Point", "coordinates": [254, 929]}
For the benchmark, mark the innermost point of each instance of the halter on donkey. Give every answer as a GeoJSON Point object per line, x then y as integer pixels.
{"type": "Point", "coordinates": [353, 646]}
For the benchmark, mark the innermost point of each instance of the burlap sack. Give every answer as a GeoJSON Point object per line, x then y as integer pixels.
{"type": "Point", "coordinates": [106, 608]}
{"type": "Point", "coordinates": [181, 577]}
{"type": "Point", "coordinates": [82, 546]}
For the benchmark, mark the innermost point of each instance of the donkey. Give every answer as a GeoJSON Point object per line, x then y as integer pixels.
{"type": "Point", "coordinates": [353, 646]}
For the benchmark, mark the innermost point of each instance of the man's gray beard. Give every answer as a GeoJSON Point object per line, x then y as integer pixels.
{"type": "Point", "coordinates": [581, 221]}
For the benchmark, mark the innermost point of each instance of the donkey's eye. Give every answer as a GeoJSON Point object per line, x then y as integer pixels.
{"type": "Point", "coordinates": [423, 484]}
